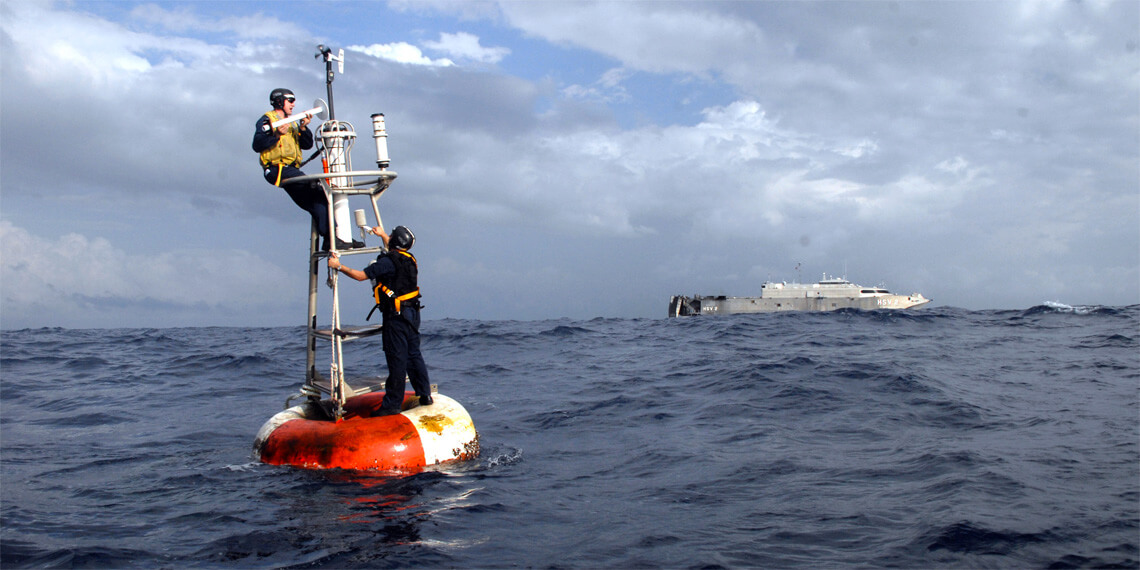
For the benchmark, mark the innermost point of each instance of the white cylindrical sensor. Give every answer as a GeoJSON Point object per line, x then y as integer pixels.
{"type": "Point", "coordinates": [381, 135]}
{"type": "Point", "coordinates": [337, 137]}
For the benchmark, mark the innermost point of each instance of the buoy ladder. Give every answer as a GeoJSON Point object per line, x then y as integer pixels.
{"type": "Point", "coordinates": [339, 182]}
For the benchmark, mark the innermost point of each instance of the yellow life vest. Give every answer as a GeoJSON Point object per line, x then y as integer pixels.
{"type": "Point", "coordinates": [287, 151]}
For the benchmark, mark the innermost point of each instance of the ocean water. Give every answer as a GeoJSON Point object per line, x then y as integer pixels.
{"type": "Point", "coordinates": [938, 438]}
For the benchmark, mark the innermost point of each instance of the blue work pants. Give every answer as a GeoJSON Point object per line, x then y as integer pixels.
{"type": "Point", "coordinates": [307, 195]}
{"type": "Point", "coordinates": [402, 351]}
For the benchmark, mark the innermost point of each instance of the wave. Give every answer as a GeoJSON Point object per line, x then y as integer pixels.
{"type": "Point", "coordinates": [927, 438]}
{"type": "Point", "coordinates": [1059, 307]}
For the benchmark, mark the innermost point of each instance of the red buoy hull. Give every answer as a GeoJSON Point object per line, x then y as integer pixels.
{"type": "Point", "coordinates": [408, 441]}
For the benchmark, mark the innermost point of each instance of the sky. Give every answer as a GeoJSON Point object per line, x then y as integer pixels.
{"type": "Point", "coordinates": [573, 159]}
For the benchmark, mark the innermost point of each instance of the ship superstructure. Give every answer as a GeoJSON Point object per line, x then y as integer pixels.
{"type": "Point", "coordinates": [828, 294]}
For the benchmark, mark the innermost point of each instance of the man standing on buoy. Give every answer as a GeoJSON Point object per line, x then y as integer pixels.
{"type": "Point", "coordinates": [397, 293]}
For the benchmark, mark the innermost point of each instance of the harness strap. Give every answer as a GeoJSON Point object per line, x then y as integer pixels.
{"type": "Point", "coordinates": [397, 301]}
{"type": "Point", "coordinates": [392, 295]}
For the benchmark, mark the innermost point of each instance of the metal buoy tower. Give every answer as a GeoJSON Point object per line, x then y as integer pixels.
{"type": "Point", "coordinates": [339, 181]}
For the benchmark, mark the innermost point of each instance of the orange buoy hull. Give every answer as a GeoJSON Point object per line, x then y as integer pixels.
{"type": "Point", "coordinates": [301, 436]}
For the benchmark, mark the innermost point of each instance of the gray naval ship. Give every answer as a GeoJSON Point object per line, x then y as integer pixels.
{"type": "Point", "coordinates": [828, 294]}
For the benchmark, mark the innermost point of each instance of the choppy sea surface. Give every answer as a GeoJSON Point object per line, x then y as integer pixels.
{"type": "Point", "coordinates": [938, 438]}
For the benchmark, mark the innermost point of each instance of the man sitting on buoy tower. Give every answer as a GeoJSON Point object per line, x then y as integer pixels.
{"type": "Point", "coordinates": [395, 275]}
{"type": "Point", "coordinates": [280, 153]}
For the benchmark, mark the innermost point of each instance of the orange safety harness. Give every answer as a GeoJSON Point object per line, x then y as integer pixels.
{"type": "Point", "coordinates": [382, 293]}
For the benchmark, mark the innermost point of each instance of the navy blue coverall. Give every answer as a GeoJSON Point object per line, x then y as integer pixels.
{"type": "Point", "coordinates": [401, 340]}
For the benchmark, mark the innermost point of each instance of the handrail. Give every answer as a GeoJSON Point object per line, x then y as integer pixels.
{"type": "Point", "coordinates": [376, 178]}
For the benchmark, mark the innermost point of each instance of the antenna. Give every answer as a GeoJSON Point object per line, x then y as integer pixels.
{"type": "Point", "coordinates": [326, 52]}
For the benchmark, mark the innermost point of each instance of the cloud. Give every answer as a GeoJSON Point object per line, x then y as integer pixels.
{"type": "Point", "coordinates": [608, 88]}
{"type": "Point", "coordinates": [401, 52]}
{"type": "Point", "coordinates": [460, 46]}
{"type": "Point", "coordinates": [737, 173]}
{"type": "Point", "coordinates": [184, 20]}
{"type": "Point", "coordinates": [57, 47]}
{"type": "Point", "coordinates": [660, 37]}
{"type": "Point", "coordinates": [465, 46]}
{"type": "Point", "coordinates": [75, 280]}
{"type": "Point", "coordinates": [920, 142]}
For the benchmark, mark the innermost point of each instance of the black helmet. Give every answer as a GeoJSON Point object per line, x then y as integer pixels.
{"type": "Point", "coordinates": [278, 96]}
{"type": "Point", "coordinates": [401, 238]}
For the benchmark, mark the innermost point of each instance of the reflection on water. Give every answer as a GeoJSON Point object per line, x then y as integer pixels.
{"type": "Point", "coordinates": [394, 505]}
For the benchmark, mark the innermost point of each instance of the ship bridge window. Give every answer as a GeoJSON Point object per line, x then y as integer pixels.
{"type": "Point", "coordinates": [875, 291]}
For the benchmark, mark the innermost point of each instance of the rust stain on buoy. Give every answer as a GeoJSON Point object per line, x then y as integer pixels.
{"type": "Point", "coordinates": [435, 424]}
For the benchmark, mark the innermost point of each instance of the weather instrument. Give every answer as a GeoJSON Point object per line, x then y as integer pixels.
{"type": "Point", "coordinates": [320, 110]}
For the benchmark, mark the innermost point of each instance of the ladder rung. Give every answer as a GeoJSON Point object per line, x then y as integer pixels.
{"type": "Point", "coordinates": [344, 252]}
{"type": "Point", "coordinates": [357, 191]}
{"type": "Point", "coordinates": [348, 333]}
{"type": "Point", "coordinates": [366, 385]}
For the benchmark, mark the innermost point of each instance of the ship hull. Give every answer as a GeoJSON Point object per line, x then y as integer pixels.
{"type": "Point", "coordinates": [680, 306]}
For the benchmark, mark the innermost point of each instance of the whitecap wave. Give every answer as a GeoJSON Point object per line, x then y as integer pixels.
{"type": "Point", "coordinates": [1077, 309]}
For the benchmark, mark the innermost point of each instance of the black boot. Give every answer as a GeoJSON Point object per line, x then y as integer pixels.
{"type": "Point", "coordinates": [347, 245]}
{"type": "Point", "coordinates": [385, 412]}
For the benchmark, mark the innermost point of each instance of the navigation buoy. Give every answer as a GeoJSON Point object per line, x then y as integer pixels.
{"type": "Point", "coordinates": [340, 432]}
{"type": "Point", "coordinates": [304, 436]}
